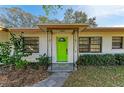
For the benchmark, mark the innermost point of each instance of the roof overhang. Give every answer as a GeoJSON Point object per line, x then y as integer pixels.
{"type": "Point", "coordinates": [25, 29]}
{"type": "Point", "coordinates": [104, 29]}
{"type": "Point", "coordinates": [59, 27]}
{"type": "Point", "coordinates": [46, 27]}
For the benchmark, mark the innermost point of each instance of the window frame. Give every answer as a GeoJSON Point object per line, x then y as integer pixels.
{"type": "Point", "coordinates": [36, 45]}
{"type": "Point", "coordinates": [89, 45]}
{"type": "Point", "coordinates": [121, 43]}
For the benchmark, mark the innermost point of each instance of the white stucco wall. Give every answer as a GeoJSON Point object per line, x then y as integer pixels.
{"type": "Point", "coordinates": [42, 43]}
{"type": "Point", "coordinates": [106, 40]}
{"type": "Point", "coordinates": [4, 36]}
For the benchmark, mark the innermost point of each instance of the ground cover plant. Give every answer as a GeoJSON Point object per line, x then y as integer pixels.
{"type": "Point", "coordinates": [96, 76]}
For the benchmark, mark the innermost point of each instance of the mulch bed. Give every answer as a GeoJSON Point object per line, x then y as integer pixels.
{"type": "Point", "coordinates": [22, 77]}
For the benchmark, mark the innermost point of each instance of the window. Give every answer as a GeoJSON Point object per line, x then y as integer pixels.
{"type": "Point", "coordinates": [84, 44]}
{"type": "Point", "coordinates": [31, 44]}
{"type": "Point", "coordinates": [117, 42]}
{"type": "Point", "coordinates": [90, 44]}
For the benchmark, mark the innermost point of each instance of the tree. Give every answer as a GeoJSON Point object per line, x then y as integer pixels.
{"type": "Point", "coordinates": [16, 17]}
{"type": "Point", "coordinates": [68, 16]}
{"type": "Point", "coordinates": [43, 19]}
{"type": "Point", "coordinates": [72, 16]}
{"type": "Point", "coordinates": [80, 17]}
{"type": "Point", "coordinates": [92, 22]}
{"type": "Point", "coordinates": [51, 8]}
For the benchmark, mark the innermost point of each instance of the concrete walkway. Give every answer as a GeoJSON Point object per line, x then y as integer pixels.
{"type": "Point", "coordinates": [55, 80]}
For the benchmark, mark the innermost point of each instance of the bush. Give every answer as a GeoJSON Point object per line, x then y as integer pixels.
{"type": "Point", "coordinates": [5, 49]}
{"type": "Point", "coordinates": [119, 59]}
{"type": "Point", "coordinates": [14, 58]}
{"type": "Point", "coordinates": [43, 60]}
{"type": "Point", "coordinates": [101, 59]}
{"type": "Point", "coordinates": [33, 65]}
{"type": "Point", "coordinates": [21, 64]}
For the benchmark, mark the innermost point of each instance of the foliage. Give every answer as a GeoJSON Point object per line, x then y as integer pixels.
{"type": "Point", "coordinates": [68, 16]}
{"type": "Point", "coordinates": [101, 59]}
{"type": "Point", "coordinates": [80, 17]}
{"type": "Point", "coordinates": [21, 64]}
{"type": "Point", "coordinates": [14, 58]}
{"type": "Point", "coordinates": [18, 43]}
{"type": "Point", "coordinates": [11, 53]}
{"type": "Point", "coordinates": [119, 59]}
{"type": "Point", "coordinates": [43, 60]}
{"type": "Point", "coordinates": [33, 65]}
{"type": "Point", "coordinates": [44, 19]}
{"type": "Point", "coordinates": [72, 16]}
{"type": "Point", "coordinates": [92, 22]}
{"type": "Point", "coordinates": [18, 46]}
{"type": "Point", "coordinates": [16, 17]}
{"type": "Point", "coordinates": [51, 8]}
{"type": "Point", "coordinates": [5, 49]}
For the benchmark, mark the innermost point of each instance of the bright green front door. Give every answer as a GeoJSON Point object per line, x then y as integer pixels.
{"type": "Point", "coordinates": [62, 49]}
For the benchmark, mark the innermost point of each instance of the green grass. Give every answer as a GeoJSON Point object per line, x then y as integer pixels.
{"type": "Point", "coordinates": [93, 76]}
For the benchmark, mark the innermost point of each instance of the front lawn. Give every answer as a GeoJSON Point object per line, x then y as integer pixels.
{"type": "Point", "coordinates": [96, 76]}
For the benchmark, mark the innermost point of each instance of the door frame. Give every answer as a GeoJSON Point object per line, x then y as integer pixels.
{"type": "Point", "coordinates": [57, 50]}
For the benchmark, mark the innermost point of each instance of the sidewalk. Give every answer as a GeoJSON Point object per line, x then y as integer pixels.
{"type": "Point", "coordinates": [57, 79]}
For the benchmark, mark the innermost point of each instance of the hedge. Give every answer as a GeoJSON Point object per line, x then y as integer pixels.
{"type": "Point", "coordinates": [101, 59]}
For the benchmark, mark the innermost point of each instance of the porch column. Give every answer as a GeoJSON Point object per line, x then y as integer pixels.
{"type": "Point", "coordinates": [75, 44]}
{"type": "Point", "coordinates": [49, 43]}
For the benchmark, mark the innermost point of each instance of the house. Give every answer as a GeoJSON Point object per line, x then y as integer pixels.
{"type": "Point", "coordinates": [65, 42]}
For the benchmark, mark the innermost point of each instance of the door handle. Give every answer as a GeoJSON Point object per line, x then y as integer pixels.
{"type": "Point", "coordinates": [66, 51]}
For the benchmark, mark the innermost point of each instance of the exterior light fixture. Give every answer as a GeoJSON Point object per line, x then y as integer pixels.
{"type": "Point", "coordinates": [3, 29]}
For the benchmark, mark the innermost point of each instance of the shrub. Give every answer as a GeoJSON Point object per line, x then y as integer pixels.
{"type": "Point", "coordinates": [13, 58]}
{"type": "Point", "coordinates": [33, 65]}
{"type": "Point", "coordinates": [119, 59]}
{"type": "Point", "coordinates": [43, 60]}
{"type": "Point", "coordinates": [5, 49]}
{"type": "Point", "coordinates": [101, 59]}
{"type": "Point", "coordinates": [21, 64]}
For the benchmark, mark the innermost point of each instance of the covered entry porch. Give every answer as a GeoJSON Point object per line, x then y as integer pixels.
{"type": "Point", "coordinates": [62, 44]}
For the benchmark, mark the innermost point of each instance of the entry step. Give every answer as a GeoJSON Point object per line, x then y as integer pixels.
{"type": "Point", "coordinates": [61, 67]}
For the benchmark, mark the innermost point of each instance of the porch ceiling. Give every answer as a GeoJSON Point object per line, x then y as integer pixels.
{"type": "Point", "coordinates": [46, 27]}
